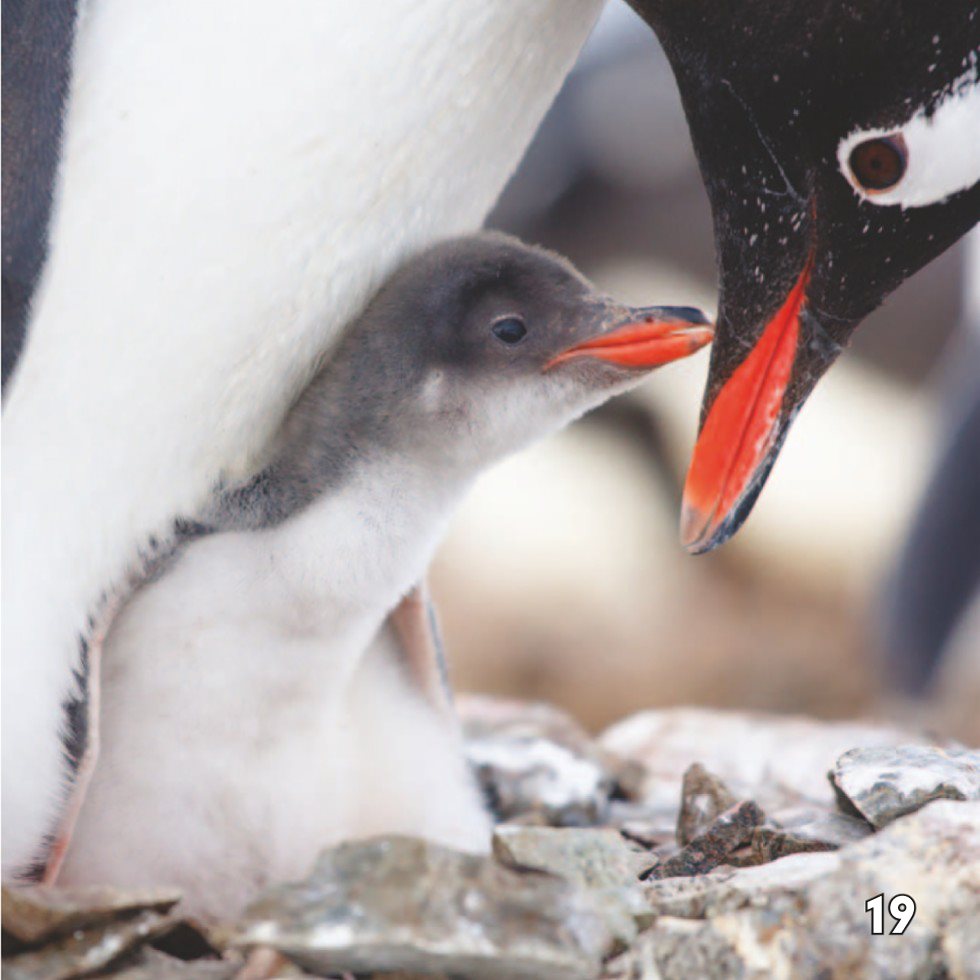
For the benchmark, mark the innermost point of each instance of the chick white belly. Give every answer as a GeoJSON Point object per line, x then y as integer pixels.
{"type": "Point", "coordinates": [240, 736]}
{"type": "Point", "coordinates": [220, 727]}
{"type": "Point", "coordinates": [218, 219]}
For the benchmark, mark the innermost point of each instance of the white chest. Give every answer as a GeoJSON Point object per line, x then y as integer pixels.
{"type": "Point", "coordinates": [246, 689]}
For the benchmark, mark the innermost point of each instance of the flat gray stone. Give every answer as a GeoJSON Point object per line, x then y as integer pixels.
{"type": "Point", "coordinates": [685, 898]}
{"type": "Point", "coordinates": [536, 763]}
{"type": "Point", "coordinates": [33, 914]}
{"type": "Point", "coordinates": [154, 965]}
{"type": "Point", "coordinates": [396, 903]}
{"type": "Point", "coordinates": [886, 782]}
{"type": "Point", "coordinates": [86, 951]}
{"type": "Point", "coordinates": [593, 857]}
{"type": "Point", "coordinates": [598, 860]}
{"type": "Point", "coordinates": [729, 888]}
{"type": "Point", "coordinates": [680, 948]}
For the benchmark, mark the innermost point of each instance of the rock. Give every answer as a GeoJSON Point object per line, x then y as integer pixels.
{"type": "Point", "coordinates": [686, 898]}
{"type": "Point", "coordinates": [728, 888]}
{"type": "Point", "coordinates": [86, 951]}
{"type": "Point", "coordinates": [532, 759]}
{"type": "Point", "coordinates": [804, 915]}
{"type": "Point", "coordinates": [727, 832]}
{"type": "Point", "coordinates": [805, 829]}
{"type": "Point", "coordinates": [679, 948]}
{"type": "Point", "coordinates": [934, 855]}
{"type": "Point", "coordinates": [731, 891]}
{"type": "Point", "coordinates": [600, 861]}
{"type": "Point", "coordinates": [961, 948]}
{"type": "Point", "coordinates": [395, 903]}
{"type": "Point", "coordinates": [754, 886]}
{"type": "Point", "coordinates": [703, 798]}
{"type": "Point", "coordinates": [154, 965]}
{"type": "Point", "coordinates": [33, 914]}
{"type": "Point", "coordinates": [594, 858]}
{"type": "Point", "coordinates": [884, 782]}
{"type": "Point", "coordinates": [776, 760]}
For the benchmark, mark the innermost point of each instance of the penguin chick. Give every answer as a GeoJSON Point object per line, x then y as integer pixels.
{"type": "Point", "coordinates": [255, 707]}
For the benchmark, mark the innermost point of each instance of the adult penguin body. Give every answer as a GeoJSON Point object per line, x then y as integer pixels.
{"type": "Point", "coordinates": [932, 597]}
{"type": "Point", "coordinates": [232, 182]}
{"type": "Point", "coordinates": [839, 147]}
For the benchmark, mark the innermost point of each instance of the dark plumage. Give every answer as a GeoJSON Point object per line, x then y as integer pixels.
{"type": "Point", "coordinates": [771, 93]}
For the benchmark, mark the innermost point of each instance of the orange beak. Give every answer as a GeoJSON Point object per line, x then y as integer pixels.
{"type": "Point", "coordinates": [649, 337]}
{"type": "Point", "coordinates": [742, 431]}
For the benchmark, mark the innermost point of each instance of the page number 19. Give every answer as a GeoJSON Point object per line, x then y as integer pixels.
{"type": "Point", "coordinates": [900, 907]}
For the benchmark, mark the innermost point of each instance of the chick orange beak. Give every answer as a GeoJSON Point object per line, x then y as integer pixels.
{"type": "Point", "coordinates": [742, 432]}
{"type": "Point", "coordinates": [648, 338]}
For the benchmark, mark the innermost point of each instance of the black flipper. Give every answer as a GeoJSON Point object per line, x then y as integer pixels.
{"type": "Point", "coordinates": [36, 73]}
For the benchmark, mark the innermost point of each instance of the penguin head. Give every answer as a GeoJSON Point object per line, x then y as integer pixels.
{"type": "Point", "coordinates": [838, 146]}
{"type": "Point", "coordinates": [482, 344]}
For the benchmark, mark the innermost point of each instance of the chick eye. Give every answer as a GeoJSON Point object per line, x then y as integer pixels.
{"type": "Point", "coordinates": [510, 330]}
{"type": "Point", "coordinates": [879, 163]}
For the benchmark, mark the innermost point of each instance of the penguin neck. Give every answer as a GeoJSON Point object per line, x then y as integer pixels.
{"type": "Point", "coordinates": [361, 547]}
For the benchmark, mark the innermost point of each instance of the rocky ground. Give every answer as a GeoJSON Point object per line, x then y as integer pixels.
{"type": "Point", "coordinates": [679, 844]}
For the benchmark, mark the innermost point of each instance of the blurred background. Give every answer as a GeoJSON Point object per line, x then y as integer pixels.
{"type": "Point", "coordinates": [563, 578]}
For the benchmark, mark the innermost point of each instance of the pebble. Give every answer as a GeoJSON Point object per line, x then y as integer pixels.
{"type": "Point", "coordinates": [883, 783]}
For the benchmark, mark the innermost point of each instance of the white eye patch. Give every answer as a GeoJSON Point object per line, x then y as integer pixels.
{"type": "Point", "coordinates": [941, 151]}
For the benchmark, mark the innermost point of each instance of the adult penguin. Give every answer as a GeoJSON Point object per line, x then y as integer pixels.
{"type": "Point", "coordinates": [839, 144]}
{"type": "Point", "coordinates": [217, 188]}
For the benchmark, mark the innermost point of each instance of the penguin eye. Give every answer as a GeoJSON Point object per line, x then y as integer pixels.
{"type": "Point", "coordinates": [510, 330]}
{"type": "Point", "coordinates": [879, 163]}
{"type": "Point", "coordinates": [922, 161]}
